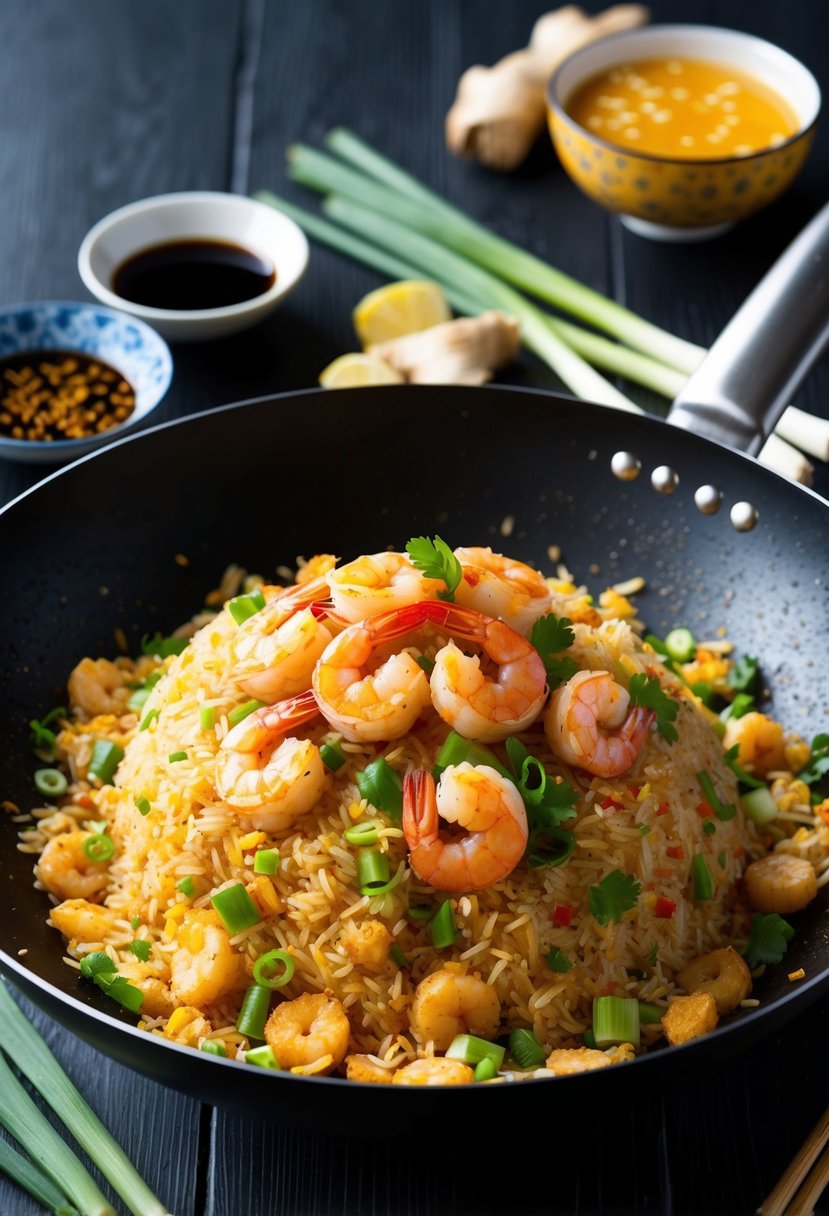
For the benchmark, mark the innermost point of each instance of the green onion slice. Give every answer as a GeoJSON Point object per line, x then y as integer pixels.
{"type": "Point", "coordinates": [759, 805]}
{"type": "Point", "coordinates": [266, 861]}
{"type": "Point", "coordinates": [703, 882]}
{"type": "Point", "coordinates": [399, 957]}
{"type": "Point", "coordinates": [425, 663]}
{"type": "Point", "coordinates": [142, 805]}
{"type": "Point", "coordinates": [588, 1038]}
{"type": "Point", "coordinates": [138, 699]}
{"type": "Point", "coordinates": [50, 781]}
{"type": "Point", "coordinates": [243, 606]}
{"type": "Point", "coordinates": [214, 1047]}
{"type": "Point", "coordinates": [680, 645]}
{"type": "Point", "coordinates": [274, 969]}
{"type": "Point", "coordinates": [525, 1048]}
{"type": "Point", "coordinates": [362, 834]}
{"type": "Point", "coordinates": [262, 1057]}
{"type": "Point", "coordinates": [147, 721]}
{"type": "Point", "coordinates": [99, 847]}
{"type": "Point", "coordinates": [457, 750]}
{"type": "Point", "coordinates": [140, 948]}
{"type": "Point", "coordinates": [442, 926]}
{"type": "Point", "coordinates": [558, 961]}
{"type": "Point", "coordinates": [186, 886]}
{"type": "Point", "coordinates": [723, 811]}
{"type": "Point", "coordinates": [207, 717]}
{"type": "Point", "coordinates": [161, 647]}
{"type": "Point", "coordinates": [243, 711]}
{"type": "Point", "coordinates": [709, 827]}
{"type": "Point", "coordinates": [650, 1013]}
{"type": "Point", "coordinates": [380, 785]}
{"type": "Point", "coordinates": [106, 756]}
{"type": "Point", "coordinates": [471, 1049]}
{"type": "Point", "coordinates": [485, 1070]}
{"type": "Point", "coordinates": [332, 757]}
{"type": "Point", "coordinates": [236, 908]}
{"type": "Point", "coordinates": [177, 757]}
{"type": "Point", "coordinates": [420, 912]}
{"type": "Point", "coordinates": [372, 871]}
{"type": "Point", "coordinates": [254, 1012]}
{"type": "Point", "coordinates": [615, 1020]}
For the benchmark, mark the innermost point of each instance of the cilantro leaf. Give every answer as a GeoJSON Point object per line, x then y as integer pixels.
{"type": "Point", "coordinates": [435, 559]}
{"type": "Point", "coordinates": [140, 948]}
{"type": "Point", "coordinates": [818, 763]}
{"type": "Point", "coordinates": [647, 692]}
{"type": "Point", "coordinates": [613, 896]}
{"type": "Point", "coordinates": [549, 801]}
{"type": "Point", "coordinates": [96, 964]}
{"type": "Point", "coordinates": [743, 675]}
{"type": "Point", "coordinates": [100, 968]}
{"type": "Point", "coordinates": [558, 961]}
{"type": "Point", "coordinates": [550, 635]}
{"type": "Point", "coordinates": [768, 940]}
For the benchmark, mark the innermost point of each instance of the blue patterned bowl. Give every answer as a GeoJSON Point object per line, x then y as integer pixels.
{"type": "Point", "coordinates": [128, 345]}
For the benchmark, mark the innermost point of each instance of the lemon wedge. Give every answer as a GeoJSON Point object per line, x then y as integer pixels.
{"type": "Point", "coordinates": [357, 371]}
{"type": "Point", "coordinates": [398, 309]}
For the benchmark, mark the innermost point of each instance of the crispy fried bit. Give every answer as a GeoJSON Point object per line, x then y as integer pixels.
{"type": "Point", "coordinates": [690, 1017]}
{"type": "Point", "coordinates": [566, 1061]}
{"type": "Point", "coordinates": [366, 1070]}
{"type": "Point", "coordinates": [780, 883]}
{"type": "Point", "coordinates": [44, 397]}
{"type": "Point", "coordinates": [367, 943]}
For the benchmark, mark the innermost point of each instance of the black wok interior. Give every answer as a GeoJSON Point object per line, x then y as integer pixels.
{"type": "Point", "coordinates": [93, 549]}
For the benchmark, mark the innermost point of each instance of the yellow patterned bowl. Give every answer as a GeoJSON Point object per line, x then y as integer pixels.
{"type": "Point", "coordinates": [682, 199]}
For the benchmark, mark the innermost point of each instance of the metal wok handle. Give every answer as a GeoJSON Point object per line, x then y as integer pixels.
{"type": "Point", "coordinates": [746, 380]}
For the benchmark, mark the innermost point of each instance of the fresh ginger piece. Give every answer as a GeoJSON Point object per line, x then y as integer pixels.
{"type": "Point", "coordinates": [499, 111]}
{"type": "Point", "coordinates": [465, 351]}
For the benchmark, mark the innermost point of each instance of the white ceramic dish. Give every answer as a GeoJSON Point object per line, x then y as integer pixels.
{"type": "Point", "coordinates": [196, 215]}
{"type": "Point", "coordinates": [126, 344]}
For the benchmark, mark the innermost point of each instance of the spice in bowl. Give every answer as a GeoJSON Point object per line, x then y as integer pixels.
{"type": "Point", "coordinates": [48, 395]}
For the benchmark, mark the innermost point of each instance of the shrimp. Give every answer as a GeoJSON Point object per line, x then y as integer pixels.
{"type": "Point", "coordinates": [447, 1004]}
{"type": "Point", "coordinates": [97, 686]}
{"type": "Point", "coordinates": [369, 705]}
{"type": "Point", "coordinates": [275, 650]}
{"type": "Point", "coordinates": [434, 1070]}
{"type": "Point", "coordinates": [760, 740]}
{"type": "Point", "coordinates": [81, 921]}
{"type": "Point", "coordinates": [476, 706]}
{"type": "Point", "coordinates": [724, 973]}
{"type": "Point", "coordinates": [588, 725]}
{"type": "Point", "coordinates": [204, 967]}
{"type": "Point", "coordinates": [307, 1030]}
{"type": "Point", "coordinates": [478, 799]}
{"type": "Point", "coordinates": [379, 582]}
{"type": "Point", "coordinates": [66, 871]}
{"type": "Point", "coordinates": [271, 783]}
{"type": "Point", "coordinates": [502, 587]}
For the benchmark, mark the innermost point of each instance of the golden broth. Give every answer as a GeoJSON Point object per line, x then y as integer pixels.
{"type": "Point", "coordinates": [682, 108]}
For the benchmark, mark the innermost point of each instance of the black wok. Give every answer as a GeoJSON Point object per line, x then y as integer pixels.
{"type": "Point", "coordinates": [92, 549]}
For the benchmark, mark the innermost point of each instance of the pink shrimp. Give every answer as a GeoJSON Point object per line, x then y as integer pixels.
{"type": "Point", "coordinates": [589, 724]}
{"type": "Point", "coordinates": [275, 649]}
{"type": "Point", "coordinates": [478, 799]}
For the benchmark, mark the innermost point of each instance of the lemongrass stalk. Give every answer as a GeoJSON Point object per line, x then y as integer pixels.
{"type": "Point", "coordinates": [22, 1119]}
{"type": "Point", "coordinates": [435, 260]}
{"type": "Point", "coordinates": [519, 266]}
{"type": "Point", "coordinates": [31, 1179]}
{"type": "Point", "coordinates": [23, 1044]}
{"type": "Point", "coordinates": [609, 356]}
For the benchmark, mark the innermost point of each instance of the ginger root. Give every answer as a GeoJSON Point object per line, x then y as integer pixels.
{"type": "Point", "coordinates": [499, 111]}
{"type": "Point", "coordinates": [465, 351]}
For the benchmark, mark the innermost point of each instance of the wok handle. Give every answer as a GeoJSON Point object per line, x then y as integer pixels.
{"type": "Point", "coordinates": [750, 373]}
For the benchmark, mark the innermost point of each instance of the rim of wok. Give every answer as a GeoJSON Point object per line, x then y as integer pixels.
{"type": "Point", "coordinates": [728, 1038]}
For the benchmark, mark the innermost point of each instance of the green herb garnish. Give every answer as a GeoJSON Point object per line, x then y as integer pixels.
{"type": "Point", "coordinates": [435, 559]}
{"type": "Point", "coordinates": [768, 940]}
{"type": "Point", "coordinates": [647, 692]}
{"type": "Point", "coordinates": [613, 896]}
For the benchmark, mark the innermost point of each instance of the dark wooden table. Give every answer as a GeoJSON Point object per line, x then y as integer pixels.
{"type": "Point", "coordinates": [104, 103]}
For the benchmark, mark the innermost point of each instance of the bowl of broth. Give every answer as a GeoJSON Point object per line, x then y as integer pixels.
{"type": "Point", "coordinates": [195, 265]}
{"type": "Point", "coordinates": [682, 129]}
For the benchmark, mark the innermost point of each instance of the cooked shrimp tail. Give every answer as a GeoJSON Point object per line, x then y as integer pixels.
{"type": "Point", "coordinates": [266, 724]}
{"type": "Point", "coordinates": [590, 724]}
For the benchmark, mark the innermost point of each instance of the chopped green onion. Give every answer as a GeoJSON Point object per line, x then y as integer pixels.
{"type": "Point", "coordinates": [142, 805]}
{"type": "Point", "coordinates": [100, 968]}
{"type": "Point", "coordinates": [380, 785]}
{"type": "Point", "coordinates": [214, 1047]}
{"type": "Point", "coordinates": [471, 1049]}
{"type": "Point", "coordinates": [98, 847]}
{"type": "Point", "coordinates": [589, 1039]}
{"type": "Point", "coordinates": [558, 961]}
{"type": "Point", "coordinates": [106, 756]}
{"type": "Point", "coordinates": [42, 739]}
{"type": "Point", "coordinates": [243, 711]}
{"type": "Point", "coordinates": [262, 1057]}
{"type": "Point", "coordinates": [457, 750]}
{"type": "Point", "coordinates": [186, 886]}
{"type": "Point", "coordinates": [680, 645]}
{"type": "Point", "coordinates": [138, 699]}
{"type": "Point", "coordinates": [742, 704]}
{"type": "Point", "coordinates": [650, 1013]}
{"type": "Point", "coordinates": [254, 1012]}
{"type": "Point", "coordinates": [723, 811]}
{"type": "Point", "coordinates": [442, 926]}
{"type": "Point", "coordinates": [207, 717]}
{"type": "Point", "coordinates": [243, 606]}
{"type": "Point", "coordinates": [372, 871]}
{"type": "Point", "coordinates": [274, 969]}
{"type": "Point", "coordinates": [140, 948]}
{"type": "Point", "coordinates": [550, 846]}
{"type": "Point", "coordinates": [721, 859]}
{"type": "Point", "coordinates": [745, 779]}
{"type": "Point", "coordinates": [419, 912]}
{"type": "Point", "coordinates": [425, 663]}
{"type": "Point", "coordinates": [362, 834]}
{"type": "Point", "coordinates": [703, 882]}
{"type": "Point", "coordinates": [266, 861]}
{"type": "Point", "coordinates": [177, 757]}
{"type": "Point", "coordinates": [399, 957]}
{"type": "Point", "coordinates": [332, 757]}
{"type": "Point", "coordinates": [135, 922]}
{"type": "Point", "coordinates": [525, 1048]}
{"type": "Point", "coordinates": [644, 830]}
{"type": "Point", "coordinates": [759, 805]}
{"type": "Point", "coordinates": [709, 827]}
{"type": "Point", "coordinates": [236, 908]}
{"type": "Point", "coordinates": [162, 648]}
{"type": "Point", "coordinates": [485, 1070]}
{"type": "Point", "coordinates": [615, 1020]}
{"type": "Point", "coordinates": [50, 781]}
{"type": "Point", "coordinates": [151, 717]}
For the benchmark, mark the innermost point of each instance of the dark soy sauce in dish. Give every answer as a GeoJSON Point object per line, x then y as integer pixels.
{"type": "Point", "coordinates": [193, 274]}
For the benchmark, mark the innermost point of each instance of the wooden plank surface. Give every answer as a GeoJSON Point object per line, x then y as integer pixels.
{"type": "Point", "coordinates": [104, 103]}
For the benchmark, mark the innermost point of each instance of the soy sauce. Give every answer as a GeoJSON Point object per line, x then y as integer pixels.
{"type": "Point", "coordinates": [186, 275]}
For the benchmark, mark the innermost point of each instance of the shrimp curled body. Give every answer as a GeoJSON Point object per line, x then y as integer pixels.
{"type": "Point", "coordinates": [481, 801]}
{"type": "Point", "coordinates": [590, 724]}
{"type": "Point", "coordinates": [275, 649]}
{"type": "Point", "coordinates": [378, 582]}
{"type": "Point", "coordinates": [271, 783]}
{"type": "Point", "coordinates": [502, 587]}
